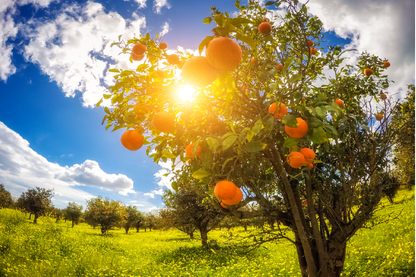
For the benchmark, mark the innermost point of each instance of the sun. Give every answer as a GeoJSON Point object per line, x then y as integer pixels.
{"type": "Point", "coordinates": [186, 93]}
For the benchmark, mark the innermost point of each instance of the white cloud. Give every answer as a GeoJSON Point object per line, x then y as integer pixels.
{"type": "Point", "coordinates": [142, 3]}
{"type": "Point", "coordinates": [74, 48]}
{"type": "Point", "coordinates": [381, 27]}
{"type": "Point", "coordinates": [22, 168]}
{"type": "Point", "coordinates": [138, 205]}
{"type": "Point", "coordinates": [153, 192]}
{"type": "Point", "coordinates": [165, 29]}
{"type": "Point", "coordinates": [159, 4]}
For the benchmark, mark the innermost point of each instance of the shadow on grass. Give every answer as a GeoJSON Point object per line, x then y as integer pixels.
{"type": "Point", "coordinates": [176, 239]}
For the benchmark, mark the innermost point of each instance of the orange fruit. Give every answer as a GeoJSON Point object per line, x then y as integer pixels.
{"type": "Point", "coordinates": [308, 154]}
{"type": "Point", "coordinates": [368, 72]}
{"type": "Point", "coordinates": [266, 19]}
{"type": "Point", "coordinates": [132, 140]}
{"type": "Point", "coordinates": [163, 45]}
{"type": "Point", "coordinates": [299, 131]}
{"type": "Point", "coordinates": [295, 159]}
{"type": "Point", "coordinates": [198, 72]}
{"type": "Point", "coordinates": [223, 205]}
{"type": "Point", "coordinates": [253, 60]}
{"type": "Point", "coordinates": [139, 49]}
{"type": "Point", "coordinates": [281, 111]}
{"type": "Point", "coordinates": [339, 102]}
{"type": "Point", "coordinates": [225, 190]}
{"type": "Point", "coordinates": [386, 64]}
{"type": "Point", "coordinates": [180, 64]}
{"type": "Point", "coordinates": [379, 117]}
{"type": "Point", "coordinates": [188, 151]}
{"type": "Point", "coordinates": [313, 51]}
{"type": "Point", "coordinates": [224, 53]}
{"type": "Point", "coordinates": [163, 121]}
{"type": "Point", "coordinates": [310, 43]}
{"type": "Point", "coordinates": [160, 73]}
{"type": "Point", "coordinates": [383, 96]}
{"type": "Point", "coordinates": [236, 199]}
{"type": "Point", "coordinates": [141, 109]}
{"type": "Point", "coordinates": [310, 166]}
{"type": "Point", "coordinates": [305, 203]}
{"type": "Point", "coordinates": [173, 59]}
{"type": "Point", "coordinates": [279, 66]}
{"type": "Point", "coordinates": [265, 28]}
{"type": "Point", "coordinates": [135, 57]}
{"type": "Point", "coordinates": [243, 88]}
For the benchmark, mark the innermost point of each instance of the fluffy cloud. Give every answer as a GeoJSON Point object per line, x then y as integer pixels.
{"type": "Point", "coordinates": [381, 27]}
{"type": "Point", "coordinates": [22, 168]}
{"type": "Point", "coordinates": [159, 4]}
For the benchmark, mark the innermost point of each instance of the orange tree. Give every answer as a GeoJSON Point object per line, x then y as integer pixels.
{"type": "Point", "coordinates": [105, 212]}
{"type": "Point", "coordinates": [311, 164]}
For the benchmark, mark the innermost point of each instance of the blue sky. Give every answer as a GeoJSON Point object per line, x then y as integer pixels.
{"type": "Point", "coordinates": [54, 57]}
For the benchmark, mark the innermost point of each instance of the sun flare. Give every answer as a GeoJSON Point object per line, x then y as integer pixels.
{"type": "Point", "coordinates": [186, 93]}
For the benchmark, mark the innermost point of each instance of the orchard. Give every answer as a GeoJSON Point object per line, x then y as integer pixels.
{"type": "Point", "coordinates": [261, 128]}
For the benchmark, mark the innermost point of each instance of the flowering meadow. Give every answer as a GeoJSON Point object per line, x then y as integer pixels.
{"type": "Point", "coordinates": [56, 249]}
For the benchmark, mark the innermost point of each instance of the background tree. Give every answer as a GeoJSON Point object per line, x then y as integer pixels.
{"type": "Point", "coordinates": [6, 200]}
{"type": "Point", "coordinates": [73, 212]}
{"type": "Point", "coordinates": [131, 217]}
{"type": "Point", "coordinates": [139, 223]}
{"type": "Point", "coordinates": [187, 207]}
{"type": "Point", "coordinates": [257, 145]}
{"type": "Point", "coordinates": [37, 201]}
{"type": "Point", "coordinates": [107, 213]}
{"type": "Point", "coordinates": [403, 122]}
{"type": "Point", "coordinates": [58, 214]}
{"type": "Point", "coordinates": [172, 219]}
{"type": "Point", "coordinates": [149, 221]}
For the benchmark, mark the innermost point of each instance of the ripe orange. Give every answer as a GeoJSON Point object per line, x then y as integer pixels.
{"type": "Point", "coordinates": [310, 166]}
{"type": "Point", "coordinates": [135, 57]}
{"type": "Point", "coordinates": [253, 60]}
{"type": "Point", "coordinates": [265, 28]}
{"type": "Point", "coordinates": [225, 190]}
{"type": "Point", "coordinates": [160, 73]}
{"type": "Point", "coordinates": [223, 205]}
{"type": "Point", "coordinates": [224, 53]}
{"type": "Point", "coordinates": [197, 71]}
{"type": "Point", "coordinates": [386, 64]}
{"type": "Point", "coordinates": [313, 51]}
{"type": "Point", "coordinates": [163, 45]}
{"type": "Point", "coordinates": [132, 140]}
{"type": "Point", "coordinates": [281, 111]}
{"type": "Point", "coordinates": [139, 49]}
{"type": "Point", "coordinates": [266, 19]}
{"type": "Point", "coordinates": [308, 154]}
{"type": "Point", "coordinates": [368, 72]}
{"type": "Point", "coordinates": [379, 117]}
{"type": "Point", "coordinates": [141, 109]}
{"type": "Point", "coordinates": [163, 121]}
{"type": "Point", "coordinates": [236, 199]}
{"type": "Point", "coordinates": [383, 96]}
{"type": "Point", "coordinates": [295, 159]}
{"type": "Point", "coordinates": [279, 66]}
{"type": "Point", "coordinates": [310, 43]}
{"type": "Point", "coordinates": [299, 131]}
{"type": "Point", "coordinates": [180, 64]}
{"type": "Point", "coordinates": [188, 151]}
{"type": "Point", "coordinates": [243, 88]}
{"type": "Point", "coordinates": [305, 203]}
{"type": "Point", "coordinates": [173, 59]}
{"type": "Point", "coordinates": [339, 102]}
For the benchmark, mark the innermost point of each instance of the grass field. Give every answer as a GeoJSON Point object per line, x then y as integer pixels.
{"type": "Point", "coordinates": [50, 249]}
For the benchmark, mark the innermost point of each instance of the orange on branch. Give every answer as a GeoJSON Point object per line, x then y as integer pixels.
{"type": "Point", "coordinates": [163, 121]}
{"type": "Point", "coordinates": [173, 59]}
{"type": "Point", "coordinates": [383, 96]}
{"type": "Point", "coordinates": [313, 51]}
{"type": "Point", "coordinates": [236, 199]}
{"type": "Point", "coordinates": [310, 43]}
{"type": "Point", "coordinates": [310, 166]}
{"type": "Point", "coordinates": [339, 102]}
{"type": "Point", "coordinates": [379, 117]}
{"type": "Point", "coordinates": [223, 205]}
{"type": "Point", "coordinates": [224, 53]}
{"type": "Point", "coordinates": [305, 203]}
{"type": "Point", "coordinates": [296, 159]}
{"type": "Point", "coordinates": [243, 88]}
{"type": "Point", "coordinates": [188, 151]}
{"type": "Point", "coordinates": [253, 60]}
{"type": "Point", "coordinates": [279, 66]}
{"type": "Point", "coordinates": [163, 45]}
{"type": "Point", "coordinates": [139, 49]}
{"type": "Point", "coordinates": [265, 28]}
{"type": "Point", "coordinates": [308, 154]}
{"type": "Point", "coordinates": [279, 112]}
{"type": "Point", "coordinates": [368, 72]}
{"type": "Point", "coordinates": [132, 140]}
{"type": "Point", "coordinates": [386, 64]}
{"type": "Point", "coordinates": [135, 57]}
{"type": "Point", "coordinates": [299, 131]}
{"type": "Point", "coordinates": [141, 109]}
{"type": "Point", "coordinates": [198, 72]}
{"type": "Point", "coordinates": [225, 190]}
{"type": "Point", "coordinates": [160, 73]}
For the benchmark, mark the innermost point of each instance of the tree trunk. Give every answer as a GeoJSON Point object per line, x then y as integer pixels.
{"type": "Point", "coordinates": [145, 229]}
{"type": "Point", "coordinates": [36, 218]}
{"type": "Point", "coordinates": [137, 230]}
{"type": "Point", "coordinates": [204, 236]}
{"type": "Point", "coordinates": [103, 230]}
{"type": "Point", "coordinates": [191, 235]}
{"type": "Point", "coordinates": [245, 228]}
{"type": "Point", "coordinates": [30, 216]}
{"type": "Point", "coordinates": [127, 229]}
{"type": "Point", "coordinates": [73, 223]}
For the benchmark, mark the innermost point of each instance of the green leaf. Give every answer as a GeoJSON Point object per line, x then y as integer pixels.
{"type": "Point", "coordinates": [114, 70]}
{"type": "Point", "coordinates": [142, 67]}
{"type": "Point", "coordinates": [174, 185]}
{"type": "Point", "coordinates": [107, 110]}
{"type": "Point", "coordinates": [200, 174]}
{"type": "Point", "coordinates": [206, 159]}
{"type": "Point", "coordinates": [290, 120]}
{"type": "Point", "coordinates": [269, 3]}
{"type": "Point", "coordinates": [255, 146]}
{"type": "Point", "coordinates": [291, 142]}
{"type": "Point", "coordinates": [250, 42]}
{"type": "Point", "coordinates": [311, 110]}
{"type": "Point", "coordinates": [228, 142]}
{"type": "Point", "coordinates": [107, 96]}
{"type": "Point", "coordinates": [204, 43]}
{"type": "Point", "coordinates": [273, 86]}
{"type": "Point", "coordinates": [315, 122]}
{"type": "Point", "coordinates": [250, 134]}
{"type": "Point", "coordinates": [257, 126]}
{"type": "Point", "coordinates": [333, 107]}
{"type": "Point", "coordinates": [319, 136]}
{"type": "Point", "coordinates": [330, 129]}
{"type": "Point", "coordinates": [207, 20]}
{"type": "Point", "coordinates": [321, 112]}
{"type": "Point", "coordinates": [288, 63]}
{"type": "Point", "coordinates": [295, 78]}
{"type": "Point", "coordinates": [240, 20]}
{"type": "Point", "coordinates": [268, 123]}
{"type": "Point", "coordinates": [212, 143]}
{"type": "Point", "coordinates": [168, 155]}
{"type": "Point", "coordinates": [99, 103]}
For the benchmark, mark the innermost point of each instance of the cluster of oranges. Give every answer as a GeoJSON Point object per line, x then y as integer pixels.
{"type": "Point", "coordinates": [228, 192]}
{"type": "Point", "coordinates": [305, 157]}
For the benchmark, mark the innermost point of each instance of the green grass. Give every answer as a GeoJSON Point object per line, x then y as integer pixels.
{"type": "Point", "coordinates": [50, 249]}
